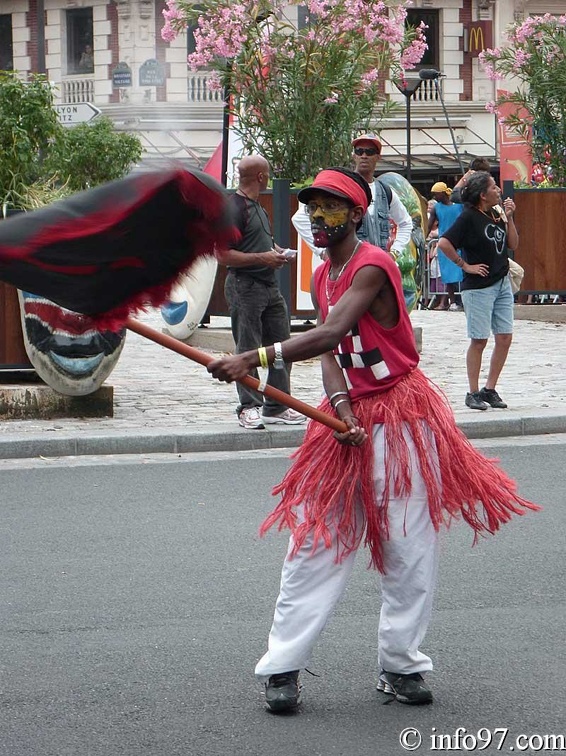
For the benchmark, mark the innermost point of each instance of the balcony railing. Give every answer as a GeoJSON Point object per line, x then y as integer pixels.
{"type": "Point", "coordinates": [427, 92]}
{"type": "Point", "coordinates": [77, 90]}
{"type": "Point", "coordinates": [199, 91]}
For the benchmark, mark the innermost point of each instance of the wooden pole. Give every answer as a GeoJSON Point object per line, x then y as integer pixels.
{"type": "Point", "coordinates": [204, 359]}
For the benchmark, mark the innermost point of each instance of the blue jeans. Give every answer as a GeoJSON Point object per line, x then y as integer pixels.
{"type": "Point", "coordinates": [259, 318]}
{"type": "Point", "coordinates": [489, 310]}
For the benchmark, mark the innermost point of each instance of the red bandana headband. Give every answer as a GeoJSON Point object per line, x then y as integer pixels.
{"type": "Point", "coordinates": [339, 184]}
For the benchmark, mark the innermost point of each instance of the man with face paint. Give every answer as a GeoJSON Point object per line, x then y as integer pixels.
{"type": "Point", "coordinates": [399, 470]}
{"type": "Point", "coordinates": [257, 309]}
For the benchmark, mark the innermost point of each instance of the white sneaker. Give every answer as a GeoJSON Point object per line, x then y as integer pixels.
{"type": "Point", "coordinates": [288, 417]}
{"type": "Point", "coordinates": [250, 418]}
{"type": "Point", "coordinates": [455, 308]}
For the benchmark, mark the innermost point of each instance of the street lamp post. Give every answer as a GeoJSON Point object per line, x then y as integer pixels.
{"type": "Point", "coordinates": [408, 87]}
{"type": "Point", "coordinates": [41, 36]}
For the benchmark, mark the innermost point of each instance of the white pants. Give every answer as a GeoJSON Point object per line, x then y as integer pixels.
{"type": "Point", "coordinates": [312, 584]}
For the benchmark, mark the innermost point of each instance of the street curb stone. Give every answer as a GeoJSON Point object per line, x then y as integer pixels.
{"type": "Point", "coordinates": [221, 439]}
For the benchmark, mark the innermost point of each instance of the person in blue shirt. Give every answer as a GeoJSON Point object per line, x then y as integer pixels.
{"type": "Point", "coordinates": [445, 212]}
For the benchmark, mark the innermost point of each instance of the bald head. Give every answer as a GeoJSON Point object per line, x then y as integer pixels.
{"type": "Point", "coordinates": [253, 171]}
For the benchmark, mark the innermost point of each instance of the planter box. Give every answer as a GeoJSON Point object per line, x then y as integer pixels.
{"type": "Point", "coordinates": [541, 221]}
{"type": "Point", "coordinates": [13, 354]}
{"type": "Point", "coordinates": [12, 350]}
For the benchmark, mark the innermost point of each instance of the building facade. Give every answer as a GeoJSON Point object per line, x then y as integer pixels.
{"type": "Point", "coordinates": [110, 53]}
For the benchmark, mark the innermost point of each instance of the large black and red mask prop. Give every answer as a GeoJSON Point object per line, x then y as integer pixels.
{"type": "Point", "coordinates": [120, 247]}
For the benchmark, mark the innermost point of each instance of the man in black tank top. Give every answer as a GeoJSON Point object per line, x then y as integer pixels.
{"type": "Point", "coordinates": [257, 309]}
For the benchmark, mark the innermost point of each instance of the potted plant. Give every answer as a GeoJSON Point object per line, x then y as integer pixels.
{"type": "Point", "coordinates": [299, 92]}
{"type": "Point", "coordinates": [534, 57]}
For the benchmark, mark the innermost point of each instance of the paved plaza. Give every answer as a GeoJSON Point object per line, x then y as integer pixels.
{"type": "Point", "coordinates": [157, 391]}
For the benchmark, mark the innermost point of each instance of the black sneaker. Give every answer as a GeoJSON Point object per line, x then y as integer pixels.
{"type": "Point", "coordinates": [492, 398]}
{"type": "Point", "coordinates": [283, 691]}
{"type": "Point", "coordinates": [407, 689]}
{"type": "Point", "coordinates": [475, 401]}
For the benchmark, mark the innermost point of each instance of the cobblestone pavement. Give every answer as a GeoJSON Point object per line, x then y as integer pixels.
{"type": "Point", "coordinates": [155, 388]}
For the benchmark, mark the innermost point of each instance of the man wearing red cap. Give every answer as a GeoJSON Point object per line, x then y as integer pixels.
{"type": "Point", "coordinates": [385, 203]}
{"type": "Point", "coordinates": [399, 470]}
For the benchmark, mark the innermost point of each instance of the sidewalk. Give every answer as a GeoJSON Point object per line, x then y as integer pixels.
{"type": "Point", "coordinates": [166, 403]}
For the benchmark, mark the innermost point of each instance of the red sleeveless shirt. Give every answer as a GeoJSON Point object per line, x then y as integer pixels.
{"type": "Point", "coordinates": [373, 359]}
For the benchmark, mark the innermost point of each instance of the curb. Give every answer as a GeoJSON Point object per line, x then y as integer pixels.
{"type": "Point", "coordinates": [221, 438]}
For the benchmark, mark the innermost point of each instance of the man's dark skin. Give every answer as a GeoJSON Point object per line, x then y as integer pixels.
{"type": "Point", "coordinates": [371, 291]}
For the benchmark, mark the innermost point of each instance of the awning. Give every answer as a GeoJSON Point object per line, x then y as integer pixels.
{"type": "Point", "coordinates": [431, 165]}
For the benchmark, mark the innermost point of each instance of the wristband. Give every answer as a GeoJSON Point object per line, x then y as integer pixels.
{"type": "Point", "coordinates": [337, 393]}
{"type": "Point", "coordinates": [262, 381]}
{"type": "Point", "coordinates": [340, 401]}
{"type": "Point", "coordinates": [262, 354]}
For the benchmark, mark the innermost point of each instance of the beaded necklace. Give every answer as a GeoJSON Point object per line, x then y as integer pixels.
{"type": "Point", "coordinates": [342, 269]}
{"type": "Point", "coordinates": [491, 215]}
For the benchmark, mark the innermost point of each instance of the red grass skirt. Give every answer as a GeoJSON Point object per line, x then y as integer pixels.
{"type": "Point", "coordinates": [328, 478]}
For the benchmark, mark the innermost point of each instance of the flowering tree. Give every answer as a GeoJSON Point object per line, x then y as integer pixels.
{"type": "Point", "coordinates": [535, 56]}
{"type": "Point", "coordinates": [300, 94]}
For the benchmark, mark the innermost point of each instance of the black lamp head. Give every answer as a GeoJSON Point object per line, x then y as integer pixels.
{"type": "Point", "coordinates": [429, 74]}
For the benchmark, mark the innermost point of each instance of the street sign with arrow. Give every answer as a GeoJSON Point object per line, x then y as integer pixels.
{"type": "Point", "coordinates": [78, 112]}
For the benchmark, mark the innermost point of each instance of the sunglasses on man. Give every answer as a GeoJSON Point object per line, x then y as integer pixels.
{"type": "Point", "coordinates": [371, 151]}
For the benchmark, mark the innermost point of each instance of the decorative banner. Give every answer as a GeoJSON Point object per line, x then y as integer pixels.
{"type": "Point", "coordinates": [515, 159]}
{"type": "Point", "coordinates": [479, 36]}
{"type": "Point", "coordinates": [307, 261]}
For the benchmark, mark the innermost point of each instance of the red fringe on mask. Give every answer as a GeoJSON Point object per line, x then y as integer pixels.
{"type": "Point", "coordinates": [327, 478]}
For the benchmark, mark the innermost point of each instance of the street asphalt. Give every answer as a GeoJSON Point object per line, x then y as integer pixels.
{"type": "Point", "coordinates": [166, 403]}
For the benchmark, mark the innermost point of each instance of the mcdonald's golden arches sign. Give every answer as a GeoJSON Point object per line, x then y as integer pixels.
{"type": "Point", "coordinates": [478, 35]}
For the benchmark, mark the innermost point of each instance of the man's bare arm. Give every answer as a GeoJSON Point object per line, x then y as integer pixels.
{"type": "Point", "coordinates": [235, 258]}
{"type": "Point", "coordinates": [357, 300]}
{"type": "Point", "coordinates": [451, 253]}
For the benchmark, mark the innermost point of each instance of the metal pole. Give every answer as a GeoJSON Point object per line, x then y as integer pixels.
{"type": "Point", "coordinates": [41, 36]}
{"type": "Point", "coordinates": [226, 129]}
{"type": "Point", "coordinates": [408, 171]}
{"type": "Point", "coordinates": [225, 136]}
{"type": "Point", "coordinates": [281, 216]}
{"type": "Point", "coordinates": [441, 98]}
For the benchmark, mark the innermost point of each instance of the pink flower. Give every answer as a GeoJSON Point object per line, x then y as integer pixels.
{"type": "Point", "coordinates": [214, 82]}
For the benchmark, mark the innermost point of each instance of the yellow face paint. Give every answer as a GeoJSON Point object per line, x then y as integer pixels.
{"type": "Point", "coordinates": [329, 219]}
{"type": "Point", "coordinates": [328, 227]}
{"type": "Point", "coordinates": [335, 217]}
